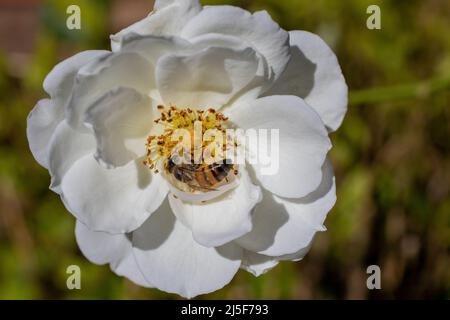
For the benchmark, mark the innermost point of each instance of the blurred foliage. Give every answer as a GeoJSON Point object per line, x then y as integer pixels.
{"type": "Point", "coordinates": [391, 159]}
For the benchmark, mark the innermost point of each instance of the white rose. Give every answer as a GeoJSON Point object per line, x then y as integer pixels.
{"type": "Point", "coordinates": [91, 135]}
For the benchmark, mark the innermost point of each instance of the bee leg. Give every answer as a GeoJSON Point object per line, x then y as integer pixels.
{"type": "Point", "coordinates": [201, 188]}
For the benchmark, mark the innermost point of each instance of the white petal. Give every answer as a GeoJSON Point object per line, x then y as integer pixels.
{"type": "Point", "coordinates": [285, 226]}
{"type": "Point", "coordinates": [47, 114]}
{"type": "Point", "coordinates": [173, 261]}
{"type": "Point", "coordinates": [217, 40]}
{"type": "Point", "coordinates": [223, 219]}
{"type": "Point", "coordinates": [60, 80]}
{"type": "Point", "coordinates": [153, 47]}
{"type": "Point", "coordinates": [121, 120]}
{"type": "Point", "coordinates": [112, 200]}
{"type": "Point", "coordinates": [127, 69]}
{"type": "Point", "coordinates": [314, 74]}
{"type": "Point", "coordinates": [259, 83]}
{"type": "Point", "coordinates": [65, 148]}
{"type": "Point", "coordinates": [257, 264]}
{"type": "Point", "coordinates": [303, 142]}
{"type": "Point", "coordinates": [296, 256]}
{"type": "Point", "coordinates": [102, 248]}
{"type": "Point", "coordinates": [168, 18]}
{"type": "Point", "coordinates": [41, 123]}
{"type": "Point", "coordinates": [257, 29]}
{"type": "Point", "coordinates": [209, 78]}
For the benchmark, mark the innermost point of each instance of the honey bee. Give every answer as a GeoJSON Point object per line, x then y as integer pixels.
{"type": "Point", "coordinates": [202, 177]}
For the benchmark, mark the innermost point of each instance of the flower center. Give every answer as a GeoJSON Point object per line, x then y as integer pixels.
{"type": "Point", "coordinates": [192, 149]}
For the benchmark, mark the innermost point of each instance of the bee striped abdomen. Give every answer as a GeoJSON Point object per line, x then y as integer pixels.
{"type": "Point", "coordinates": [213, 174]}
{"type": "Point", "coordinates": [203, 177]}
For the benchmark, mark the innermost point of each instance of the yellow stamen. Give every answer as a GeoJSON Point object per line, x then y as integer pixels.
{"type": "Point", "coordinates": [160, 148]}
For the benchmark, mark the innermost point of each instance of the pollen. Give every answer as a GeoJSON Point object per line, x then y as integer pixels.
{"type": "Point", "coordinates": [161, 147]}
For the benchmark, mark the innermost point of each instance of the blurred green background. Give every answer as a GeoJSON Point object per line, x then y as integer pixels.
{"type": "Point", "coordinates": [392, 154]}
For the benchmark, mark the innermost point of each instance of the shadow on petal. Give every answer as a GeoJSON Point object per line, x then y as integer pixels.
{"type": "Point", "coordinates": [324, 187]}
{"type": "Point", "coordinates": [270, 215]}
{"type": "Point", "coordinates": [230, 251]}
{"type": "Point", "coordinates": [252, 89]}
{"type": "Point", "coordinates": [143, 174]}
{"type": "Point", "coordinates": [273, 212]}
{"type": "Point", "coordinates": [297, 79]}
{"type": "Point", "coordinates": [278, 214]}
{"type": "Point", "coordinates": [157, 228]}
{"type": "Point", "coordinates": [297, 256]}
